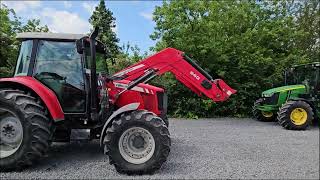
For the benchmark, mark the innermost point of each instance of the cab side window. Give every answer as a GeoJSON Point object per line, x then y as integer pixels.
{"type": "Point", "coordinates": [24, 58]}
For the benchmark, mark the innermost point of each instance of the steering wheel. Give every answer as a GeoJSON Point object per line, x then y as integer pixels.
{"type": "Point", "coordinates": [53, 75]}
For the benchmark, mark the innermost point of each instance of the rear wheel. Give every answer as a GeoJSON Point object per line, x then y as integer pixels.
{"type": "Point", "coordinates": [25, 131]}
{"type": "Point", "coordinates": [295, 115]}
{"type": "Point", "coordinates": [264, 116]}
{"type": "Point", "coordinates": [138, 142]}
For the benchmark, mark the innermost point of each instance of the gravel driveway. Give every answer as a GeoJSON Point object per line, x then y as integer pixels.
{"type": "Point", "coordinates": [206, 148]}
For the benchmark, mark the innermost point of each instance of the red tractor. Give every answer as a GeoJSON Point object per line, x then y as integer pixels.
{"type": "Point", "coordinates": [56, 95]}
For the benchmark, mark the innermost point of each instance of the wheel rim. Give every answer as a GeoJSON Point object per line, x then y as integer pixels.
{"type": "Point", "coordinates": [267, 114]}
{"type": "Point", "coordinates": [299, 116]}
{"type": "Point", "coordinates": [136, 145]}
{"type": "Point", "coordinates": [11, 133]}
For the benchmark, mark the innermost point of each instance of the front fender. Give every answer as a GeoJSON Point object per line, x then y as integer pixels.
{"type": "Point", "coordinates": [47, 96]}
{"type": "Point", "coordinates": [126, 108]}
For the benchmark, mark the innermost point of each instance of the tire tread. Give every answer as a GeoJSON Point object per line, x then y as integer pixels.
{"type": "Point", "coordinates": [146, 117]}
{"type": "Point", "coordinates": [41, 128]}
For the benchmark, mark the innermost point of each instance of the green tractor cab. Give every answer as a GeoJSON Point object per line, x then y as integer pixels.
{"type": "Point", "coordinates": [296, 105]}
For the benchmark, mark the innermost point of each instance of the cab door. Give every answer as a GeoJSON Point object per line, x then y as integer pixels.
{"type": "Point", "coordinates": [58, 66]}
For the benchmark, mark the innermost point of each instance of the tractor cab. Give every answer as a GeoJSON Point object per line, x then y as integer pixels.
{"type": "Point", "coordinates": [296, 104]}
{"type": "Point", "coordinates": [62, 62]}
{"type": "Point", "coordinates": [299, 79]}
{"type": "Point", "coordinates": [307, 74]}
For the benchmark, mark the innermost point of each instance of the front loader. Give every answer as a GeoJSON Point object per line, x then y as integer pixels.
{"type": "Point", "coordinates": [57, 95]}
{"type": "Point", "coordinates": [297, 104]}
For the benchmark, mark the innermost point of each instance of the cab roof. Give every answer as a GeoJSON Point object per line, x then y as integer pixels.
{"type": "Point", "coordinates": [41, 35]}
{"type": "Point", "coordinates": [314, 64]}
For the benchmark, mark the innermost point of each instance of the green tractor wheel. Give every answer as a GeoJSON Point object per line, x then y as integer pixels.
{"type": "Point", "coordinates": [295, 115]}
{"type": "Point", "coordinates": [262, 115]}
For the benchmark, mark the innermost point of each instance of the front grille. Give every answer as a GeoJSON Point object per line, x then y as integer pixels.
{"type": "Point", "coordinates": [273, 100]}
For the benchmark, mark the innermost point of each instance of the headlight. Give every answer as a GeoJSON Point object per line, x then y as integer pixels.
{"type": "Point", "coordinates": [267, 95]}
{"type": "Point", "coordinates": [271, 100]}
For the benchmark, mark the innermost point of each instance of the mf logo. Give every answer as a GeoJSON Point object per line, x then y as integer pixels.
{"type": "Point", "coordinates": [194, 75]}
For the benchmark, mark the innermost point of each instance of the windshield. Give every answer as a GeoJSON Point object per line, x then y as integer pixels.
{"type": "Point", "coordinates": [60, 58]}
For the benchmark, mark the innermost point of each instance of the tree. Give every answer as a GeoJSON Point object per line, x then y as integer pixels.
{"type": "Point", "coordinates": [308, 20]}
{"type": "Point", "coordinates": [103, 18]}
{"type": "Point", "coordinates": [9, 44]}
{"type": "Point", "coordinates": [128, 55]}
{"type": "Point", "coordinates": [7, 39]}
{"type": "Point", "coordinates": [246, 43]}
{"type": "Point", "coordinates": [33, 25]}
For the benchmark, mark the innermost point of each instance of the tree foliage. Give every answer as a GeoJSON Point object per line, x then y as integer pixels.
{"type": "Point", "coordinates": [246, 43]}
{"type": "Point", "coordinates": [33, 25]}
{"type": "Point", "coordinates": [7, 50]}
{"type": "Point", "coordinates": [103, 18]}
{"type": "Point", "coordinates": [129, 54]}
{"type": "Point", "coordinates": [9, 45]}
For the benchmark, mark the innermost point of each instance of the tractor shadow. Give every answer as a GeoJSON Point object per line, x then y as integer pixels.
{"type": "Point", "coordinates": [63, 156]}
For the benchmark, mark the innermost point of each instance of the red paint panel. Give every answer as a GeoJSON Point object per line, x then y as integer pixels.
{"type": "Point", "coordinates": [151, 103]}
{"type": "Point", "coordinates": [46, 95]}
{"type": "Point", "coordinates": [129, 97]}
{"type": "Point", "coordinates": [145, 94]}
{"type": "Point", "coordinates": [172, 60]}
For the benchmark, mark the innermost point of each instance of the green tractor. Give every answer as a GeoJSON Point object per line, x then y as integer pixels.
{"type": "Point", "coordinates": [296, 105]}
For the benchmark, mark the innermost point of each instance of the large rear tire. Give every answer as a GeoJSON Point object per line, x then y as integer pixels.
{"type": "Point", "coordinates": [295, 115]}
{"type": "Point", "coordinates": [137, 142]}
{"type": "Point", "coordinates": [260, 115]}
{"type": "Point", "coordinates": [25, 131]}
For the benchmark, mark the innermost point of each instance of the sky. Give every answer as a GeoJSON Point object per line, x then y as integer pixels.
{"type": "Point", "coordinates": [133, 18]}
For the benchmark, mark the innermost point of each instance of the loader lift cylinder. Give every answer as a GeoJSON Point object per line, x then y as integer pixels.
{"type": "Point", "coordinates": [195, 65]}
{"type": "Point", "coordinates": [146, 77]}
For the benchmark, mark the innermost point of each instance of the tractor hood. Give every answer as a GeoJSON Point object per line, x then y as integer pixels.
{"type": "Point", "coordinates": [270, 92]}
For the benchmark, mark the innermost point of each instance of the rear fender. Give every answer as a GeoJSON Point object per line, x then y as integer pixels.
{"type": "Point", "coordinates": [126, 108]}
{"type": "Point", "coordinates": [47, 96]}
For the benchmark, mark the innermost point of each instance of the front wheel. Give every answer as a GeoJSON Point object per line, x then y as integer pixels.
{"type": "Point", "coordinates": [165, 120]}
{"type": "Point", "coordinates": [265, 116]}
{"type": "Point", "coordinates": [137, 142]}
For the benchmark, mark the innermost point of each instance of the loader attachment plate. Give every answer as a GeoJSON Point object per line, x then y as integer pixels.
{"type": "Point", "coordinates": [226, 90]}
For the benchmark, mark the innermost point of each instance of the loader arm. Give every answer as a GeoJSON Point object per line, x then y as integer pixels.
{"type": "Point", "coordinates": [184, 69]}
